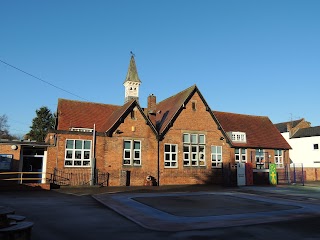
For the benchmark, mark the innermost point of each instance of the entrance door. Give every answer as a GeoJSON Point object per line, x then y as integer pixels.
{"type": "Point", "coordinates": [260, 161]}
{"type": "Point", "coordinates": [32, 164]}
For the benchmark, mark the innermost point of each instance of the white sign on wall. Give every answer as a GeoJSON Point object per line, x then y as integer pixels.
{"type": "Point", "coordinates": [241, 174]}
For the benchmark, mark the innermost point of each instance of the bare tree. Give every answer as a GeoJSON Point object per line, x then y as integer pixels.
{"type": "Point", "coordinates": [4, 127]}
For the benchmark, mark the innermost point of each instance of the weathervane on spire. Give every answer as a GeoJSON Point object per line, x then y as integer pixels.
{"type": "Point", "coordinates": [132, 54]}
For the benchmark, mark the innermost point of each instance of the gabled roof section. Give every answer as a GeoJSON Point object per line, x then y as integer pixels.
{"type": "Point", "coordinates": [168, 109]}
{"type": "Point", "coordinates": [260, 131]}
{"type": "Point", "coordinates": [307, 132]}
{"type": "Point", "coordinates": [283, 126]}
{"type": "Point", "coordinates": [120, 114]}
{"type": "Point", "coordinates": [132, 74]}
{"type": "Point", "coordinates": [80, 114]}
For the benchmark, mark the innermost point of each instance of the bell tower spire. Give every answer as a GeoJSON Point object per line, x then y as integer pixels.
{"type": "Point", "coordinates": [132, 81]}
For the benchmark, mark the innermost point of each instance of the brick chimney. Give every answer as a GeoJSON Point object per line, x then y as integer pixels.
{"type": "Point", "coordinates": [152, 104]}
{"type": "Point", "coordinates": [152, 107]}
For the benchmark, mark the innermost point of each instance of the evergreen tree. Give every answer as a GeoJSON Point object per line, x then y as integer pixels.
{"type": "Point", "coordinates": [41, 124]}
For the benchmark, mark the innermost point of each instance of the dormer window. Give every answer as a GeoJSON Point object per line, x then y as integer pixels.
{"type": "Point", "coordinates": [238, 136]}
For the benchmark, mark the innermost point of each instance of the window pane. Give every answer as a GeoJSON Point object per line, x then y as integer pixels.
{"type": "Point", "coordinates": [69, 144]}
{"type": "Point", "coordinates": [78, 154]}
{"type": "Point", "coordinates": [78, 144]}
{"type": "Point", "coordinates": [86, 155]}
{"type": "Point", "coordinates": [86, 163]}
{"type": "Point", "coordinates": [173, 148]}
{"type": "Point", "coordinates": [193, 148]}
{"type": "Point", "coordinates": [167, 148]}
{"type": "Point", "coordinates": [194, 139]}
{"type": "Point", "coordinates": [213, 149]}
{"type": "Point", "coordinates": [77, 163]}
{"type": "Point", "coordinates": [173, 157]}
{"type": "Point", "coordinates": [167, 156]}
{"type": "Point", "coordinates": [127, 144]}
{"type": "Point", "coordinates": [186, 138]}
{"type": "Point", "coordinates": [87, 144]}
{"type": "Point", "coordinates": [136, 162]}
{"type": "Point", "coordinates": [137, 154]}
{"type": "Point", "coordinates": [201, 139]}
{"type": "Point", "coordinates": [243, 151]}
{"type": "Point", "coordinates": [236, 150]}
{"type": "Point", "coordinates": [126, 161]}
{"type": "Point", "coordinates": [68, 163]}
{"type": "Point", "coordinates": [186, 148]}
{"type": "Point", "coordinates": [69, 154]}
{"type": "Point", "coordinates": [219, 149]}
{"type": "Point", "coordinates": [127, 154]}
{"type": "Point", "coordinates": [136, 145]}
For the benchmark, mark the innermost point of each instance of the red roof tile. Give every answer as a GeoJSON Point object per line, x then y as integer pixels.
{"type": "Point", "coordinates": [83, 114]}
{"type": "Point", "coordinates": [167, 109]}
{"type": "Point", "coordinates": [260, 131]}
{"type": "Point", "coordinates": [116, 115]}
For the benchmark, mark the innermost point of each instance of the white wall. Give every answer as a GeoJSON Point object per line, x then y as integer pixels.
{"type": "Point", "coordinates": [302, 150]}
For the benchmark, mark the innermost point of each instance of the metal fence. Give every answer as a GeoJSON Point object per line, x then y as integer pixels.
{"type": "Point", "coordinates": [78, 177]}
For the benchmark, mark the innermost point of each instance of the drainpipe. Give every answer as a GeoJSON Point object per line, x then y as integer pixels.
{"type": "Point", "coordinates": [158, 168]}
{"type": "Point", "coordinates": [93, 159]}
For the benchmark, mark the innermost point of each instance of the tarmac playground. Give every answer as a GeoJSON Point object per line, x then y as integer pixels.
{"type": "Point", "coordinates": [181, 211]}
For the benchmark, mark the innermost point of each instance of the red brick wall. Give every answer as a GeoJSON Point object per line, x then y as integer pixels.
{"type": "Point", "coordinates": [109, 151]}
{"type": "Point", "coordinates": [6, 149]}
{"type": "Point", "coordinates": [190, 121]}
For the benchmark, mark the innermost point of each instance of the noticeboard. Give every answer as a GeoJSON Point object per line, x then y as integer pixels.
{"type": "Point", "coordinates": [5, 161]}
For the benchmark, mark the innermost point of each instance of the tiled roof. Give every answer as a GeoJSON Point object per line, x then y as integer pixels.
{"type": "Point", "coordinates": [80, 114]}
{"type": "Point", "coordinates": [260, 131]}
{"type": "Point", "coordinates": [282, 127]}
{"type": "Point", "coordinates": [307, 132]}
{"type": "Point", "coordinates": [167, 109]}
{"type": "Point", "coordinates": [116, 115]}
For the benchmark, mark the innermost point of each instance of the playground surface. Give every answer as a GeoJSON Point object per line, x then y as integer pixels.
{"type": "Point", "coordinates": [170, 212]}
{"type": "Point", "coordinates": [181, 211]}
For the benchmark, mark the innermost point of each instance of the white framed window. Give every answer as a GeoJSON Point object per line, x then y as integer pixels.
{"type": "Point", "coordinates": [194, 149]}
{"type": "Point", "coordinates": [238, 136]}
{"type": "Point", "coordinates": [77, 153]}
{"type": "Point", "coordinates": [278, 158]}
{"type": "Point", "coordinates": [260, 161]}
{"type": "Point", "coordinates": [170, 155]}
{"type": "Point", "coordinates": [216, 156]}
{"type": "Point", "coordinates": [132, 152]}
{"type": "Point", "coordinates": [240, 155]}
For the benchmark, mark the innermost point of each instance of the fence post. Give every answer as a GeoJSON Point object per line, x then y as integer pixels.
{"type": "Point", "coordinates": [294, 173]}
{"type": "Point", "coordinates": [288, 173]}
{"type": "Point", "coordinates": [302, 174]}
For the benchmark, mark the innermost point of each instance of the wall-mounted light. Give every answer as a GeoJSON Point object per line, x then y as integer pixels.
{"type": "Point", "coordinates": [133, 128]}
{"type": "Point", "coordinates": [221, 138]}
{"type": "Point", "coordinates": [14, 147]}
{"type": "Point", "coordinates": [118, 131]}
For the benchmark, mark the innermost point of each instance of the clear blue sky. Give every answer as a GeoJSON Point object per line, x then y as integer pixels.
{"type": "Point", "coordinates": [246, 56]}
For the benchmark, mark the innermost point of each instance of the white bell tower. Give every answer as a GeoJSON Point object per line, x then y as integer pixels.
{"type": "Point", "coordinates": [132, 82]}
